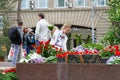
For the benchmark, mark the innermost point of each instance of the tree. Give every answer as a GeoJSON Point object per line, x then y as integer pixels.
{"type": "Point", "coordinates": [6, 7]}
{"type": "Point", "coordinates": [114, 16]}
{"type": "Point", "coordinates": [112, 37]}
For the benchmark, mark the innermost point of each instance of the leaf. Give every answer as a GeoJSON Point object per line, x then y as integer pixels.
{"type": "Point", "coordinates": [11, 76]}
{"type": "Point", "coordinates": [51, 59]}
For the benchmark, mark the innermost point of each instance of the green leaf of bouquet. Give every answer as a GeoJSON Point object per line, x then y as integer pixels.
{"type": "Point", "coordinates": [50, 58]}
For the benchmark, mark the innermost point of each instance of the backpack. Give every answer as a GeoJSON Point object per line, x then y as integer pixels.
{"type": "Point", "coordinates": [13, 33]}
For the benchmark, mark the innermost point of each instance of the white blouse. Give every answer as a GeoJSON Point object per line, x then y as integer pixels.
{"type": "Point", "coordinates": [59, 39]}
{"type": "Point", "coordinates": [42, 31]}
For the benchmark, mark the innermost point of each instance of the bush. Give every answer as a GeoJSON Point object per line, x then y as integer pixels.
{"type": "Point", "coordinates": [4, 45]}
{"type": "Point", "coordinates": [91, 45]}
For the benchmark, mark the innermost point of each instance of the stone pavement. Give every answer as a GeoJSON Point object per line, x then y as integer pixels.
{"type": "Point", "coordinates": [5, 65]}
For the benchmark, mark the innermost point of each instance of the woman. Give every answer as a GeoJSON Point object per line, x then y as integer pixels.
{"type": "Point", "coordinates": [28, 40]}
{"type": "Point", "coordinates": [60, 38]}
{"type": "Point", "coordinates": [25, 30]}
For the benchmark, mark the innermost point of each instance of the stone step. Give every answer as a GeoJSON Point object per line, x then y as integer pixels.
{"type": "Point", "coordinates": [3, 68]}
{"type": "Point", "coordinates": [5, 64]}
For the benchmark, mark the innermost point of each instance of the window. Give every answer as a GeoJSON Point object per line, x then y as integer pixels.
{"type": "Point", "coordinates": [60, 3]}
{"type": "Point", "coordinates": [1, 22]}
{"type": "Point", "coordinates": [80, 2]}
{"type": "Point", "coordinates": [41, 3]}
{"type": "Point", "coordinates": [25, 4]}
{"type": "Point", "coordinates": [100, 2]}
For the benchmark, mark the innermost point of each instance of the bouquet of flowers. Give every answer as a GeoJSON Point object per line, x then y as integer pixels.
{"type": "Point", "coordinates": [50, 27]}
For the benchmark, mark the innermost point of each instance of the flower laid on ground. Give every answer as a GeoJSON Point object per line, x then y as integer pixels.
{"type": "Point", "coordinates": [78, 50]}
{"type": "Point", "coordinates": [86, 50]}
{"type": "Point", "coordinates": [33, 58]}
{"type": "Point", "coordinates": [110, 51]}
{"type": "Point", "coordinates": [47, 50]}
{"type": "Point", "coordinates": [91, 51]}
{"type": "Point", "coordinates": [44, 52]}
{"type": "Point", "coordinates": [63, 55]}
{"type": "Point", "coordinates": [113, 60]}
{"type": "Point", "coordinates": [9, 70]}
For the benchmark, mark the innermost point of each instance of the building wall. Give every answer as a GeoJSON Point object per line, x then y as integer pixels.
{"type": "Point", "coordinates": [81, 16]}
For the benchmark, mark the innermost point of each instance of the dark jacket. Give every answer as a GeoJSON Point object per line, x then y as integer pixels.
{"type": "Point", "coordinates": [18, 40]}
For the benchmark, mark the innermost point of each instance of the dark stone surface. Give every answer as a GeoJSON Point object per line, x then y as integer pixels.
{"type": "Point", "coordinates": [70, 71]}
{"type": "Point", "coordinates": [37, 71]}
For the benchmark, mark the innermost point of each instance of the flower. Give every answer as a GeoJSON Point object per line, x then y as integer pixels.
{"type": "Point", "coordinates": [63, 55]}
{"type": "Point", "coordinates": [46, 50]}
{"type": "Point", "coordinates": [117, 53]}
{"type": "Point", "coordinates": [9, 70]}
{"type": "Point", "coordinates": [8, 74]}
{"type": "Point", "coordinates": [110, 51]}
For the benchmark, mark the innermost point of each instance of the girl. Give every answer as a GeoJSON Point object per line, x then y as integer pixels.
{"type": "Point", "coordinates": [60, 38]}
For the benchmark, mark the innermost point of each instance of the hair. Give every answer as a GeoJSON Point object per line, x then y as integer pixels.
{"type": "Point", "coordinates": [66, 25]}
{"type": "Point", "coordinates": [41, 15]}
{"type": "Point", "coordinates": [20, 23]}
{"type": "Point", "coordinates": [24, 30]}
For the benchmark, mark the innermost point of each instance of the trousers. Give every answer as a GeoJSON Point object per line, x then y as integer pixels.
{"type": "Point", "coordinates": [16, 50]}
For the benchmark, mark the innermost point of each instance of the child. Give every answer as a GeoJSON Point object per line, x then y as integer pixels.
{"type": "Point", "coordinates": [60, 38]}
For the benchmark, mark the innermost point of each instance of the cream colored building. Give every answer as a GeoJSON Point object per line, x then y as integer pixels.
{"type": "Point", "coordinates": [76, 12]}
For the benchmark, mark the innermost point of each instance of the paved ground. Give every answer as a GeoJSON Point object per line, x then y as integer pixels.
{"type": "Point", "coordinates": [5, 65]}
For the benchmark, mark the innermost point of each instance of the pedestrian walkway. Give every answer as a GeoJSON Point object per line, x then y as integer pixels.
{"type": "Point", "coordinates": [5, 65]}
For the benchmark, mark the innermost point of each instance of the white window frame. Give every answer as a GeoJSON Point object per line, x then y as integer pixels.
{"type": "Point", "coordinates": [97, 4]}
{"type": "Point", "coordinates": [27, 5]}
{"type": "Point", "coordinates": [76, 3]}
{"type": "Point", "coordinates": [56, 4]}
{"type": "Point", "coordinates": [37, 3]}
{"type": "Point", "coordinates": [1, 22]}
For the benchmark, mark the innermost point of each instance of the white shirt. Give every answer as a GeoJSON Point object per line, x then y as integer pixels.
{"type": "Point", "coordinates": [42, 31]}
{"type": "Point", "coordinates": [59, 39]}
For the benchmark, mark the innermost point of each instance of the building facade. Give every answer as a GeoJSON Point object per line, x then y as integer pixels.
{"type": "Point", "coordinates": [58, 12]}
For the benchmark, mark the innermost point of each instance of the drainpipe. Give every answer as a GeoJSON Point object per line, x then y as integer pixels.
{"type": "Point", "coordinates": [93, 32]}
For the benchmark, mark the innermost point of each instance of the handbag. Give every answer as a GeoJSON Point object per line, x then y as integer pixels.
{"type": "Point", "coordinates": [11, 53]}
{"type": "Point", "coordinates": [23, 53]}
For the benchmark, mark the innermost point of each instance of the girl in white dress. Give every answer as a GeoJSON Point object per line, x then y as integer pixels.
{"type": "Point", "coordinates": [59, 38]}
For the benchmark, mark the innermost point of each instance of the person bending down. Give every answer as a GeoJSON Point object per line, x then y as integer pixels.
{"type": "Point", "coordinates": [60, 38]}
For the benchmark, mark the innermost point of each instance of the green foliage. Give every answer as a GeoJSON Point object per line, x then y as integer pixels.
{"type": "Point", "coordinates": [79, 40]}
{"type": "Point", "coordinates": [51, 27]}
{"type": "Point", "coordinates": [8, 76]}
{"type": "Point", "coordinates": [5, 26]}
{"type": "Point", "coordinates": [6, 7]}
{"type": "Point", "coordinates": [91, 45]}
{"type": "Point", "coordinates": [110, 38]}
{"type": "Point", "coordinates": [106, 54]}
{"type": "Point", "coordinates": [114, 11]}
{"type": "Point", "coordinates": [88, 39]}
{"type": "Point", "coordinates": [49, 51]}
{"type": "Point", "coordinates": [51, 59]}
{"type": "Point", "coordinates": [115, 61]}
{"type": "Point", "coordinates": [4, 41]}
{"type": "Point", "coordinates": [6, 4]}
{"type": "Point", "coordinates": [113, 35]}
